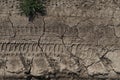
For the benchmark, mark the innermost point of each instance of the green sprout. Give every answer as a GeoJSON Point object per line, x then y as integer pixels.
{"type": "Point", "coordinates": [31, 7]}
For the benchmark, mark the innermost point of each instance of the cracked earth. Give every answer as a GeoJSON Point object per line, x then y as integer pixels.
{"type": "Point", "coordinates": [79, 41]}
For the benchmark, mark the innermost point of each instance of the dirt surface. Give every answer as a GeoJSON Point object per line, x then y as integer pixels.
{"type": "Point", "coordinates": [77, 39]}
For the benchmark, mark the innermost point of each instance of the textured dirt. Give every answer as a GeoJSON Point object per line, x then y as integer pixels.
{"type": "Point", "coordinates": [76, 40]}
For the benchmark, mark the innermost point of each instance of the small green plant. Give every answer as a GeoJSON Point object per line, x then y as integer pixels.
{"type": "Point", "coordinates": [31, 7]}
